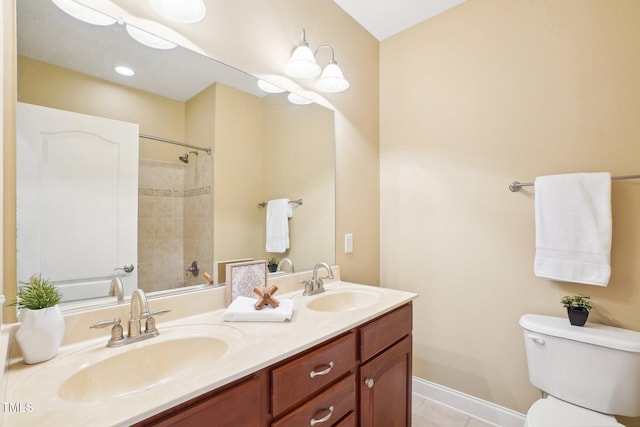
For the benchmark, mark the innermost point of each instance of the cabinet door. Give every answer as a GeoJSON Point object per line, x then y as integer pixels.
{"type": "Point", "coordinates": [238, 406]}
{"type": "Point", "coordinates": [385, 388]}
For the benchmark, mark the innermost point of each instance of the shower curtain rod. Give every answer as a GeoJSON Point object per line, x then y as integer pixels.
{"type": "Point", "coordinates": [170, 141]}
{"type": "Point", "coordinates": [515, 186]}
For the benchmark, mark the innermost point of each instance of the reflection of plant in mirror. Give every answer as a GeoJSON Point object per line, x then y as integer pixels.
{"type": "Point", "coordinates": [272, 264]}
{"type": "Point", "coordinates": [37, 293]}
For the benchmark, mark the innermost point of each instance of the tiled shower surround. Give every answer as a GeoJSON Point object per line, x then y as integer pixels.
{"type": "Point", "coordinates": [175, 216]}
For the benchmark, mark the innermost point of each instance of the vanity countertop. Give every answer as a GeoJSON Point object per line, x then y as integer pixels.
{"type": "Point", "coordinates": [33, 389]}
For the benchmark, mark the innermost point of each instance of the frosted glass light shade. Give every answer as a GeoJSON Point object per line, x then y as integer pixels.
{"type": "Point", "coordinates": [183, 11]}
{"type": "Point", "coordinates": [294, 98]}
{"type": "Point", "coordinates": [332, 79]}
{"type": "Point", "coordinates": [149, 39]}
{"type": "Point", "coordinates": [302, 64]}
{"type": "Point", "coordinates": [124, 71]}
{"type": "Point", "coordinates": [84, 13]}
{"type": "Point", "coordinates": [269, 87]}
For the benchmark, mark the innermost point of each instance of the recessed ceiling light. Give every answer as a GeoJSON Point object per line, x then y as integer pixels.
{"type": "Point", "coordinates": [148, 39]}
{"type": "Point", "coordinates": [124, 71]}
{"type": "Point", "coordinates": [84, 13]}
{"type": "Point", "coordinates": [183, 11]}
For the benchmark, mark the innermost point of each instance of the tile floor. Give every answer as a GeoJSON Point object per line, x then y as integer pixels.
{"type": "Point", "coordinates": [427, 413]}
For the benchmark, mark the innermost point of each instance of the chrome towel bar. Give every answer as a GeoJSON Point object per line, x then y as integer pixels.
{"type": "Point", "coordinates": [515, 186]}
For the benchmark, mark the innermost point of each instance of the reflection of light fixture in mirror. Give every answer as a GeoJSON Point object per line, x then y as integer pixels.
{"type": "Point", "coordinates": [332, 80]}
{"type": "Point", "coordinates": [183, 11]}
{"type": "Point", "coordinates": [268, 87]}
{"type": "Point", "coordinates": [149, 39]}
{"type": "Point", "coordinates": [302, 64]}
{"type": "Point", "coordinates": [124, 71]}
{"type": "Point", "coordinates": [294, 98]}
{"type": "Point", "coordinates": [84, 13]}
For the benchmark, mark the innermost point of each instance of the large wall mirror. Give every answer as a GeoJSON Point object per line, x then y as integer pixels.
{"type": "Point", "coordinates": [192, 205]}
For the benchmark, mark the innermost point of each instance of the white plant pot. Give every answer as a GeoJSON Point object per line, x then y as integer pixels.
{"type": "Point", "coordinates": [40, 334]}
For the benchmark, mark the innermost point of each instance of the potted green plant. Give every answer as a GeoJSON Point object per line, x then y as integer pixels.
{"type": "Point", "coordinates": [272, 264]}
{"type": "Point", "coordinates": [578, 307]}
{"type": "Point", "coordinates": [42, 325]}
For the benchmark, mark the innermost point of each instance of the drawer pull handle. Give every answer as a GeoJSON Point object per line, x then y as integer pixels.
{"type": "Point", "coordinates": [369, 382]}
{"type": "Point", "coordinates": [323, 372]}
{"type": "Point", "coordinates": [323, 419]}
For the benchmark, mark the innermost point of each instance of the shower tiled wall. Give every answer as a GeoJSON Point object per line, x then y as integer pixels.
{"type": "Point", "coordinates": [174, 222]}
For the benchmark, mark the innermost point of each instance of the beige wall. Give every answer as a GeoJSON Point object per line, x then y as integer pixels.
{"type": "Point", "coordinates": [238, 136]}
{"type": "Point", "coordinates": [51, 86]}
{"type": "Point", "coordinates": [299, 162]}
{"type": "Point", "coordinates": [487, 93]}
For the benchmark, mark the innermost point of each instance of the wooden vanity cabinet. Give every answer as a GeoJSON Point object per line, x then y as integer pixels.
{"type": "Point", "coordinates": [385, 370]}
{"type": "Point", "coordinates": [242, 403]}
{"type": "Point", "coordinates": [361, 378]}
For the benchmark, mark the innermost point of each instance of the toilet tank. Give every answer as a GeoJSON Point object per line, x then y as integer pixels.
{"type": "Point", "coordinates": [595, 366]}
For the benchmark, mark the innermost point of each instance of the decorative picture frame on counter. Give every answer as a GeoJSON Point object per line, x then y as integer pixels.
{"type": "Point", "coordinates": [242, 277]}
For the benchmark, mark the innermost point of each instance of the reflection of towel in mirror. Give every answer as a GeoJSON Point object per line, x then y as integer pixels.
{"type": "Point", "coordinates": [278, 213]}
{"type": "Point", "coordinates": [573, 227]}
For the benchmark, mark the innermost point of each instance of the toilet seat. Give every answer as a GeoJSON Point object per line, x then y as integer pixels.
{"type": "Point", "coordinates": [552, 412]}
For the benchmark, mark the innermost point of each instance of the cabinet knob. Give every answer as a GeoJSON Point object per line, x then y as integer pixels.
{"type": "Point", "coordinates": [324, 419]}
{"type": "Point", "coordinates": [369, 382]}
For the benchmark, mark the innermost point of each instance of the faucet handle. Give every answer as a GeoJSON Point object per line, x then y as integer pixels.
{"type": "Point", "coordinates": [308, 286]}
{"type": "Point", "coordinates": [104, 323]}
{"type": "Point", "coordinates": [117, 333]}
{"type": "Point", "coordinates": [150, 323]}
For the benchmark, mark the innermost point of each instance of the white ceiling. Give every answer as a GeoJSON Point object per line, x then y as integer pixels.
{"type": "Point", "coordinates": [385, 18]}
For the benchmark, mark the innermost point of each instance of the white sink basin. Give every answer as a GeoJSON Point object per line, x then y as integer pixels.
{"type": "Point", "coordinates": [344, 300]}
{"type": "Point", "coordinates": [96, 373]}
{"type": "Point", "coordinates": [142, 368]}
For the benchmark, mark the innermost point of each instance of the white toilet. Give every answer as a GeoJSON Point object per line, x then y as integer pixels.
{"type": "Point", "coordinates": [590, 373]}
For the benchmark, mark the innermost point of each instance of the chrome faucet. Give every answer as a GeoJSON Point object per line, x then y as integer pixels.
{"type": "Point", "coordinates": [116, 289]}
{"type": "Point", "coordinates": [315, 285]}
{"type": "Point", "coordinates": [286, 261]}
{"type": "Point", "coordinates": [139, 311]}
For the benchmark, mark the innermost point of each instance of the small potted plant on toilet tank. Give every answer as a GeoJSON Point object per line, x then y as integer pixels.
{"type": "Point", "coordinates": [578, 307]}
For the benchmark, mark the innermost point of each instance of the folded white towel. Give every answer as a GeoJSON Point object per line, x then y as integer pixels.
{"type": "Point", "coordinates": [573, 227]}
{"type": "Point", "coordinates": [278, 213]}
{"type": "Point", "coordinates": [242, 310]}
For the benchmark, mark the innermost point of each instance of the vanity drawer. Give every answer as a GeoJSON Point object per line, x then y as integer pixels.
{"type": "Point", "coordinates": [327, 408]}
{"type": "Point", "coordinates": [303, 376]}
{"type": "Point", "coordinates": [384, 331]}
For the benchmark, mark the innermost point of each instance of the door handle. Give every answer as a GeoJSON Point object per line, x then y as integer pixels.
{"type": "Point", "coordinates": [127, 268]}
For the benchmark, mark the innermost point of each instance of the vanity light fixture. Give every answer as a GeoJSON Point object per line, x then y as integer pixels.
{"type": "Point", "coordinates": [332, 80]}
{"type": "Point", "coordinates": [124, 71]}
{"type": "Point", "coordinates": [182, 11]}
{"type": "Point", "coordinates": [303, 65]}
{"type": "Point", "coordinates": [84, 13]}
{"type": "Point", "coordinates": [148, 39]}
{"type": "Point", "coordinates": [269, 87]}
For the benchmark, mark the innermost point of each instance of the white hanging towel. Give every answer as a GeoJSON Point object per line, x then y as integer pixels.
{"type": "Point", "coordinates": [278, 213]}
{"type": "Point", "coordinates": [573, 227]}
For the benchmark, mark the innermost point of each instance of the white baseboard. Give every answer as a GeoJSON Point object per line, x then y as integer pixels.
{"type": "Point", "coordinates": [472, 406]}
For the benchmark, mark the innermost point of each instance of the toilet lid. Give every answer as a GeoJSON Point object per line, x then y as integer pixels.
{"type": "Point", "coordinates": [551, 412]}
